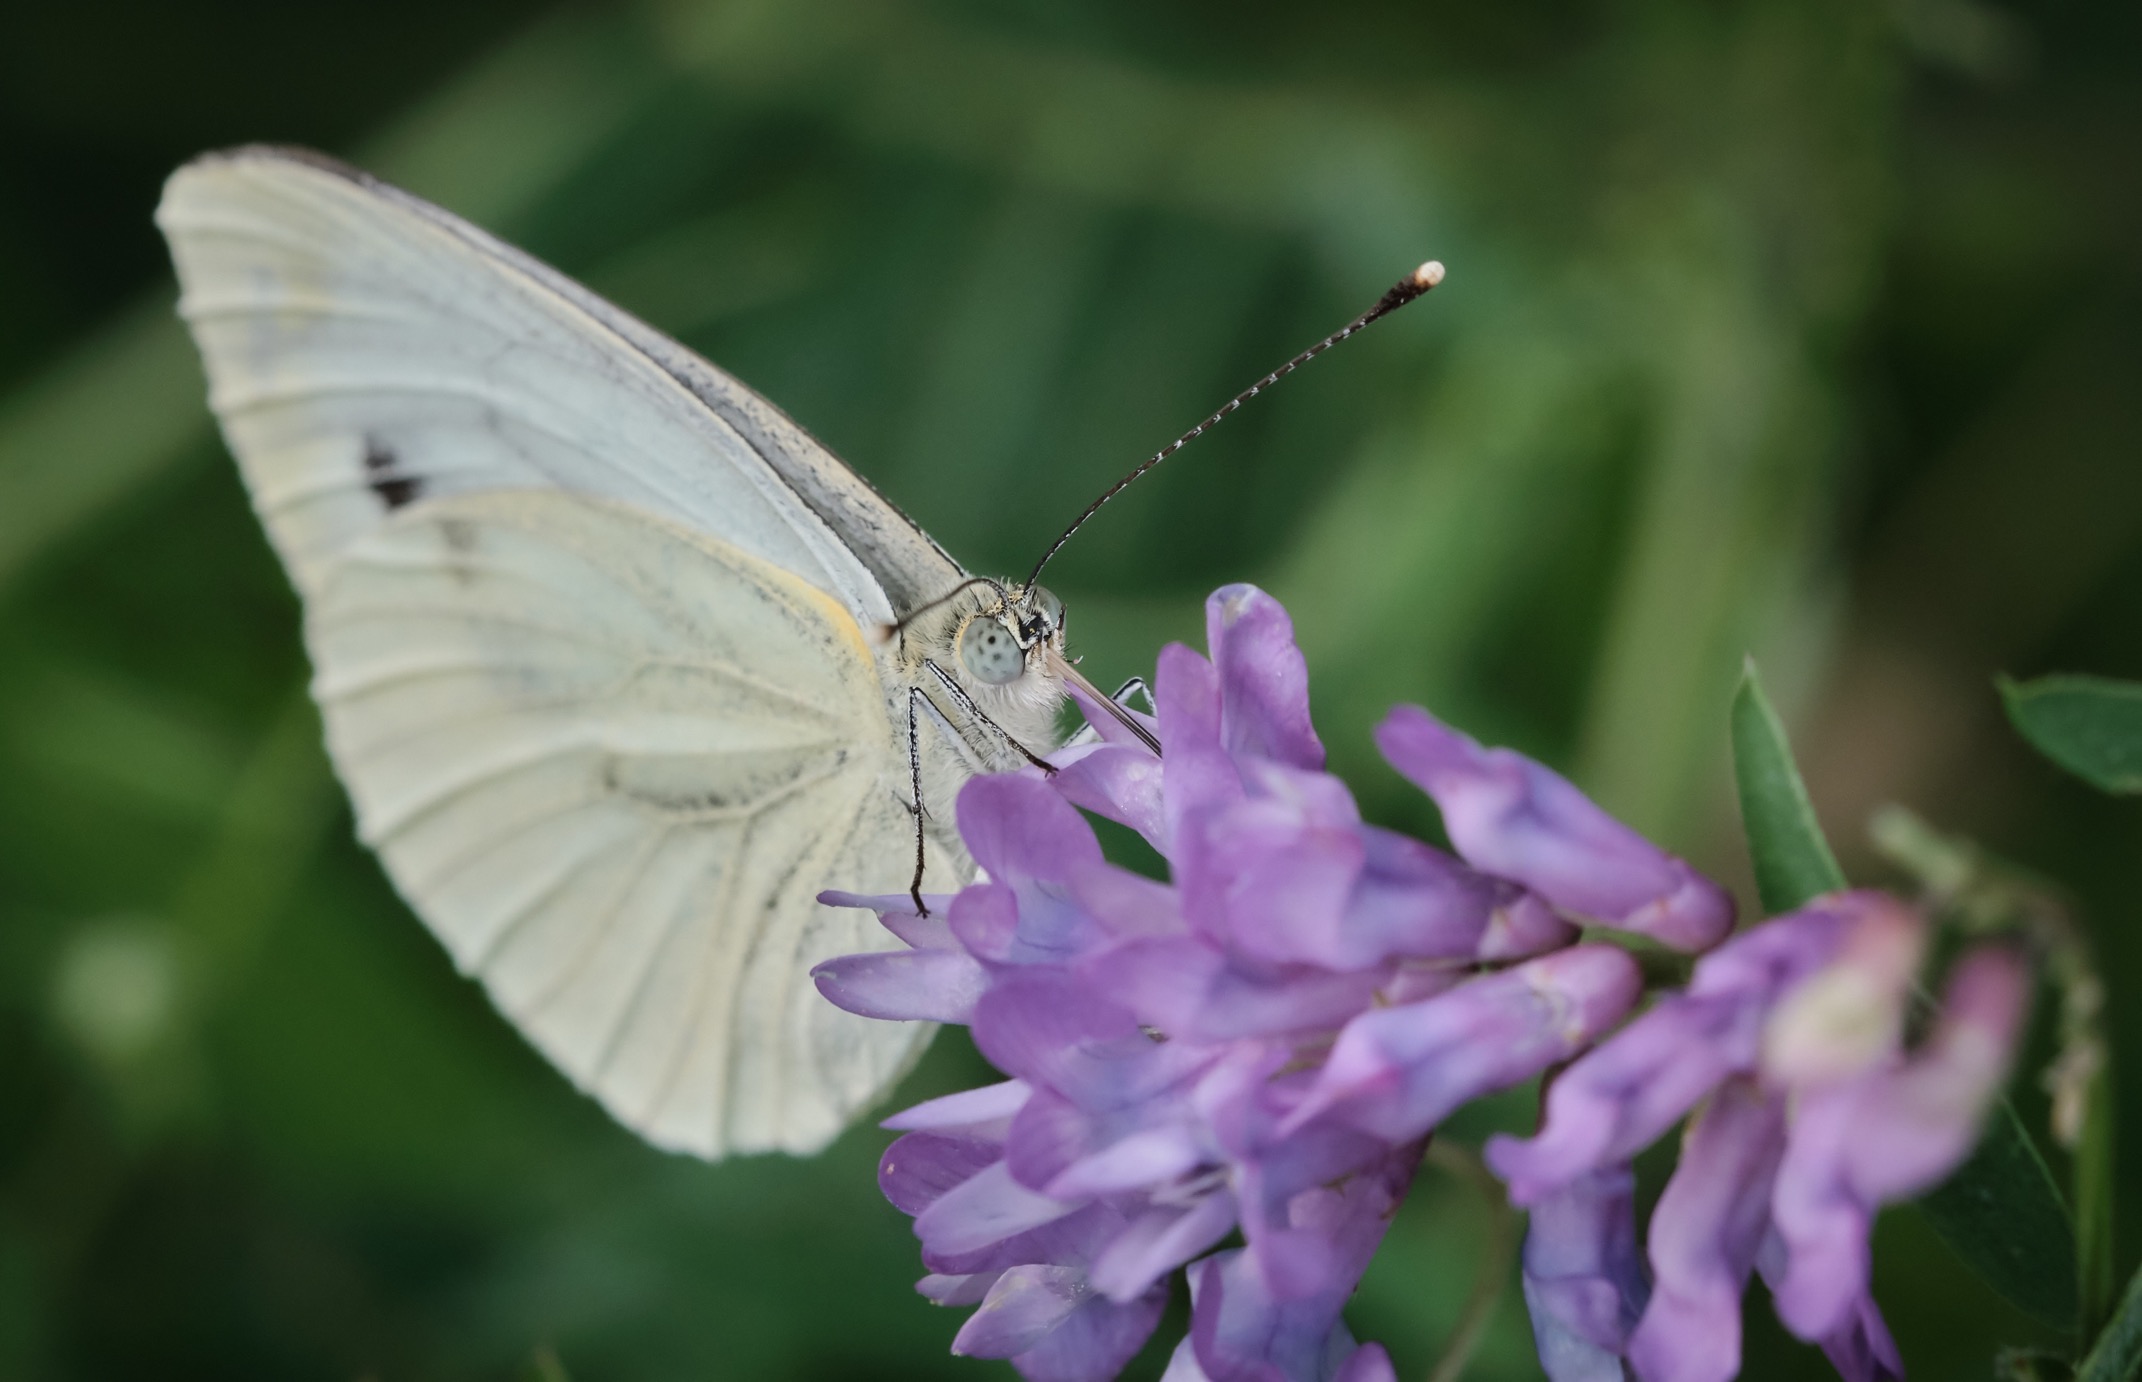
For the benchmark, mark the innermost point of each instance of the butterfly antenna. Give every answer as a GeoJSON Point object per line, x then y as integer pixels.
{"type": "Point", "coordinates": [1402, 292]}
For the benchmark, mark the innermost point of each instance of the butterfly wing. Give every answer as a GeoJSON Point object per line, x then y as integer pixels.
{"type": "Point", "coordinates": [366, 349]}
{"type": "Point", "coordinates": [612, 762]}
{"type": "Point", "coordinates": [617, 838]}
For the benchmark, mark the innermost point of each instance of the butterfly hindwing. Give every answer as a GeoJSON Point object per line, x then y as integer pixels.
{"type": "Point", "coordinates": [612, 762]}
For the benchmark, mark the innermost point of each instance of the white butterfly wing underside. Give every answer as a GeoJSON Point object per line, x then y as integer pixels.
{"type": "Point", "coordinates": [585, 617]}
{"type": "Point", "coordinates": [613, 762]}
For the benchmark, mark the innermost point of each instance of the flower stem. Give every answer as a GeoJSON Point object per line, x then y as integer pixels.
{"type": "Point", "coordinates": [2096, 1283]}
{"type": "Point", "coordinates": [1495, 1262]}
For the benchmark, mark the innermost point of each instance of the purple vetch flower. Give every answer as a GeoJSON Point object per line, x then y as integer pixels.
{"type": "Point", "coordinates": [1584, 1277]}
{"type": "Point", "coordinates": [1513, 817]}
{"type": "Point", "coordinates": [1263, 1043]}
{"type": "Point", "coordinates": [1813, 1115]}
{"type": "Point", "coordinates": [1886, 1133]}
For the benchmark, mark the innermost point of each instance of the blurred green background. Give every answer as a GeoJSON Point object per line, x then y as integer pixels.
{"type": "Point", "coordinates": [1802, 327]}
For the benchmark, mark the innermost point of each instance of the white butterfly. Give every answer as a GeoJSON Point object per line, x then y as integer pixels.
{"type": "Point", "coordinates": [596, 631]}
{"type": "Point", "coordinates": [620, 666]}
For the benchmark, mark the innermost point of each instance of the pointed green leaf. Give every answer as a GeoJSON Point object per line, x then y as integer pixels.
{"type": "Point", "coordinates": [2003, 1216]}
{"type": "Point", "coordinates": [2117, 1354]}
{"type": "Point", "coordinates": [1792, 860]}
{"type": "Point", "coordinates": [2092, 726]}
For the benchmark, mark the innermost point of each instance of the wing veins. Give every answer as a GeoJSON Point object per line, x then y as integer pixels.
{"type": "Point", "coordinates": [631, 880]}
{"type": "Point", "coordinates": [702, 1003]}
{"type": "Point", "coordinates": [353, 687]}
{"type": "Point", "coordinates": [787, 994]}
{"type": "Point", "coordinates": [646, 973]}
{"type": "Point", "coordinates": [199, 309]}
{"type": "Point", "coordinates": [413, 812]}
{"type": "Point", "coordinates": [521, 911]}
{"type": "Point", "coordinates": [405, 614]}
{"type": "Point", "coordinates": [452, 867]}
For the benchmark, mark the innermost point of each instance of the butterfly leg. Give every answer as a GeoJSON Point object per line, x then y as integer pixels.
{"type": "Point", "coordinates": [966, 703]}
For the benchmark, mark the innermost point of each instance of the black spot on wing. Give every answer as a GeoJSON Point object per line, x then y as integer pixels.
{"type": "Point", "coordinates": [381, 472]}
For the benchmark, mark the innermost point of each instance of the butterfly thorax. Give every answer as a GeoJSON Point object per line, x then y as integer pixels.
{"type": "Point", "coordinates": [984, 657]}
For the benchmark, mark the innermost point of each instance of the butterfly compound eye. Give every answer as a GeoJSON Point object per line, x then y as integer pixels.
{"type": "Point", "coordinates": [990, 652]}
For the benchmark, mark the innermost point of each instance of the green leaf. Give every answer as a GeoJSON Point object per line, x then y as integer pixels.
{"type": "Point", "coordinates": [2092, 726]}
{"type": "Point", "coordinates": [1792, 860]}
{"type": "Point", "coordinates": [2117, 1354]}
{"type": "Point", "coordinates": [2000, 1212]}
{"type": "Point", "coordinates": [2003, 1216]}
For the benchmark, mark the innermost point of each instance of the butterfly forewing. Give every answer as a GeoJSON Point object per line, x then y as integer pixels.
{"type": "Point", "coordinates": [366, 349]}
{"type": "Point", "coordinates": [587, 618]}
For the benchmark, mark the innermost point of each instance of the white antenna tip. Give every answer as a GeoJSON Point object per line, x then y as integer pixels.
{"type": "Point", "coordinates": [1428, 274]}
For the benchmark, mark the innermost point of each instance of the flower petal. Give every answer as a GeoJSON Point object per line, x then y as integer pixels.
{"type": "Point", "coordinates": [1269, 876]}
{"type": "Point", "coordinates": [1197, 773]}
{"type": "Point", "coordinates": [1241, 1333]}
{"type": "Point", "coordinates": [1704, 1236]}
{"type": "Point", "coordinates": [970, 1108]}
{"type": "Point", "coordinates": [1315, 1254]}
{"type": "Point", "coordinates": [1095, 1341]}
{"type": "Point", "coordinates": [1072, 1153]}
{"type": "Point", "coordinates": [1583, 1277]}
{"type": "Point", "coordinates": [1128, 905]}
{"type": "Point", "coordinates": [897, 914]}
{"type": "Point", "coordinates": [1887, 1136]}
{"type": "Point", "coordinates": [986, 1208]}
{"type": "Point", "coordinates": [1023, 1305]}
{"type": "Point", "coordinates": [903, 985]}
{"type": "Point", "coordinates": [1620, 1098]}
{"type": "Point", "coordinates": [918, 1169]}
{"type": "Point", "coordinates": [1511, 816]}
{"type": "Point", "coordinates": [1264, 683]}
{"type": "Point", "coordinates": [1417, 902]}
{"type": "Point", "coordinates": [1615, 1101]}
{"type": "Point", "coordinates": [1396, 1072]}
{"type": "Point", "coordinates": [1031, 925]}
{"type": "Point", "coordinates": [1046, 1026]}
{"type": "Point", "coordinates": [1860, 1347]}
{"type": "Point", "coordinates": [1159, 1241]}
{"type": "Point", "coordinates": [1369, 1363]}
{"type": "Point", "coordinates": [1186, 700]}
{"type": "Point", "coordinates": [1189, 991]}
{"type": "Point", "coordinates": [1019, 830]}
{"type": "Point", "coordinates": [965, 1288]}
{"type": "Point", "coordinates": [1923, 1118]}
{"type": "Point", "coordinates": [1122, 784]}
{"type": "Point", "coordinates": [1849, 1015]}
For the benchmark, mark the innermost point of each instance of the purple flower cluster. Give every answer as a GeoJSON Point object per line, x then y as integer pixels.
{"type": "Point", "coordinates": [1264, 1043]}
{"type": "Point", "coordinates": [1812, 1115]}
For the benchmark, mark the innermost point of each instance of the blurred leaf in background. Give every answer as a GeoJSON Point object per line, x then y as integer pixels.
{"type": "Point", "coordinates": [1802, 329]}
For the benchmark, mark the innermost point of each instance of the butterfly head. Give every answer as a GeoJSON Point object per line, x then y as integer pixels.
{"type": "Point", "coordinates": [1011, 634]}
